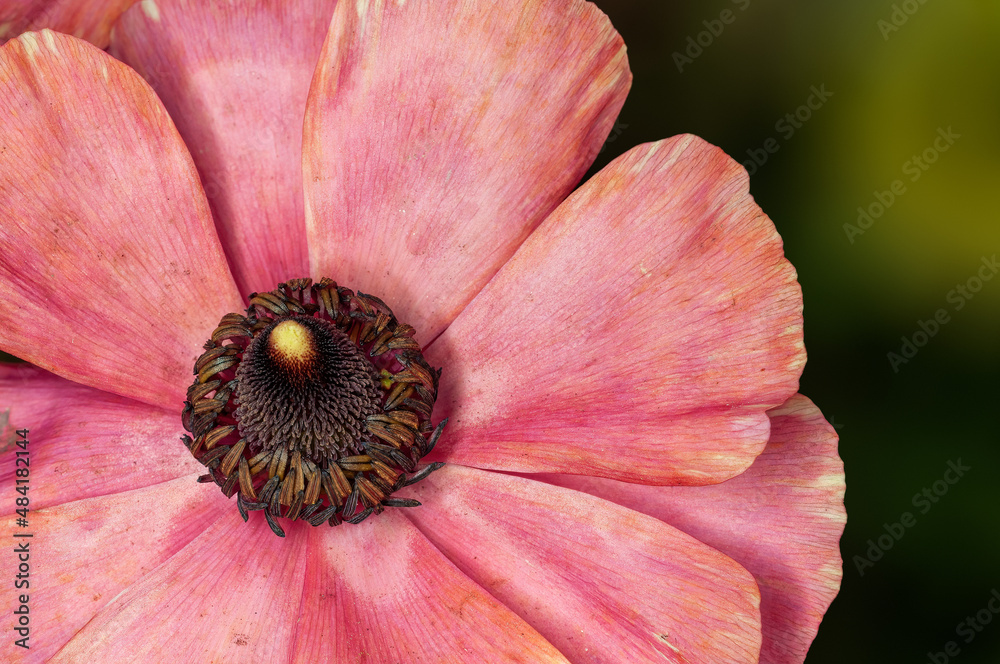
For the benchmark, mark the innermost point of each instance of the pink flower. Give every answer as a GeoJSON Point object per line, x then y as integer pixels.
{"type": "Point", "coordinates": [87, 19]}
{"type": "Point", "coordinates": [631, 476]}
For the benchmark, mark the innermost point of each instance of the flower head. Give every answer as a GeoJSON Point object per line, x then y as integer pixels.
{"type": "Point", "coordinates": [630, 475]}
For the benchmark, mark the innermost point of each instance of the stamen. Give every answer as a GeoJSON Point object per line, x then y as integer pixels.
{"type": "Point", "coordinates": [315, 406]}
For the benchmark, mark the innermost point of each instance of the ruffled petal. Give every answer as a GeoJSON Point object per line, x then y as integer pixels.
{"type": "Point", "coordinates": [439, 134]}
{"type": "Point", "coordinates": [380, 592]}
{"type": "Point", "coordinates": [600, 582]}
{"type": "Point", "coordinates": [112, 274]}
{"type": "Point", "coordinates": [85, 553]}
{"type": "Point", "coordinates": [782, 519]}
{"type": "Point", "coordinates": [83, 442]}
{"type": "Point", "coordinates": [86, 19]}
{"type": "Point", "coordinates": [232, 595]}
{"type": "Point", "coordinates": [640, 333]}
{"type": "Point", "coordinates": [234, 77]}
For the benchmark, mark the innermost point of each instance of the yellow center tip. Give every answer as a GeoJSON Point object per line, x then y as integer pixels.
{"type": "Point", "coordinates": [292, 339]}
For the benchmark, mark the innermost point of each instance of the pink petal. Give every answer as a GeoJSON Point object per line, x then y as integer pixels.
{"type": "Point", "coordinates": [380, 592]}
{"type": "Point", "coordinates": [782, 519]}
{"type": "Point", "coordinates": [439, 134]}
{"type": "Point", "coordinates": [86, 19]}
{"type": "Point", "coordinates": [83, 442]}
{"type": "Point", "coordinates": [113, 275]}
{"type": "Point", "coordinates": [640, 333]}
{"type": "Point", "coordinates": [234, 77]}
{"type": "Point", "coordinates": [600, 582]}
{"type": "Point", "coordinates": [232, 595]}
{"type": "Point", "coordinates": [84, 554]}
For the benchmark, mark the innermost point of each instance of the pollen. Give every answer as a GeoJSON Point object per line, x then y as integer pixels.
{"type": "Point", "coordinates": [292, 341]}
{"type": "Point", "coordinates": [315, 405]}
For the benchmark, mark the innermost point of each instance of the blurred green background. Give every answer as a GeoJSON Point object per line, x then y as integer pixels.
{"type": "Point", "coordinates": [926, 67]}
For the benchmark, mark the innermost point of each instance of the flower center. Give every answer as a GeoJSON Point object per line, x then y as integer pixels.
{"type": "Point", "coordinates": [302, 383]}
{"type": "Point", "coordinates": [315, 405]}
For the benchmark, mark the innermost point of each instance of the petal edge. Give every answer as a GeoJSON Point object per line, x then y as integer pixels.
{"type": "Point", "coordinates": [640, 333]}
{"type": "Point", "coordinates": [113, 275]}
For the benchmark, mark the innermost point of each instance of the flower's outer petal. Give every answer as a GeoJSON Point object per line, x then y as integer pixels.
{"type": "Point", "coordinates": [86, 19]}
{"type": "Point", "coordinates": [640, 333]}
{"type": "Point", "coordinates": [380, 592]}
{"type": "Point", "coordinates": [782, 519]}
{"type": "Point", "coordinates": [112, 273]}
{"type": "Point", "coordinates": [232, 595]}
{"type": "Point", "coordinates": [439, 134]}
{"type": "Point", "coordinates": [83, 442]}
{"type": "Point", "coordinates": [602, 583]}
{"type": "Point", "coordinates": [234, 77]}
{"type": "Point", "coordinates": [83, 554]}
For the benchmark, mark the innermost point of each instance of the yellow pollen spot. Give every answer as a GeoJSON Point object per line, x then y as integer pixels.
{"type": "Point", "coordinates": [292, 339]}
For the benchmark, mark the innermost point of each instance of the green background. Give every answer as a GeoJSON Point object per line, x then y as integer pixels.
{"type": "Point", "coordinates": [891, 92]}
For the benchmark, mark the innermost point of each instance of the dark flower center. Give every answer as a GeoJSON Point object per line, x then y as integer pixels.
{"type": "Point", "coordinates": [303, 383]}
{"type": "Point", "coordinates": [315, 405]}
